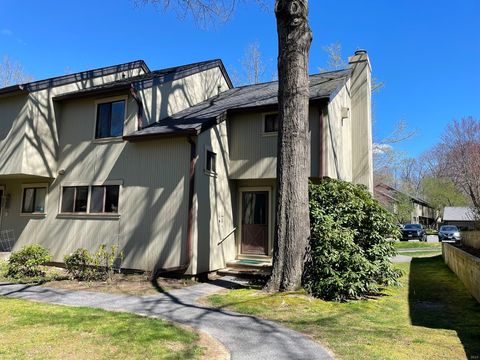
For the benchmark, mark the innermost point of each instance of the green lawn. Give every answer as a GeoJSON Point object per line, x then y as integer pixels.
{"type": "Point", "coordinates": [431, 316]}
{"type": "Point", "coordinates": [415, 245]}
{"type": "Point", "coordinates": [30, 330]}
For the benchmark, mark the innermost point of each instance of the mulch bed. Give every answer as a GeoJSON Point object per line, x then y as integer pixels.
{"type": "Point", "coordinates": [468, 249]}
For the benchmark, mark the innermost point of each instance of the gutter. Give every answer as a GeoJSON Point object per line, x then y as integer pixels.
{"type": "Point", "coordinates": [170, 134]}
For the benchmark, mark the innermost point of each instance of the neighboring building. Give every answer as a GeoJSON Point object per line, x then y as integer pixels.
{"type": "Point", "coordinates": [422, 212]}
{"type": "Point", "coordinates": [462, 217]}
{"type": "Point", "coordinates": [176, 167]}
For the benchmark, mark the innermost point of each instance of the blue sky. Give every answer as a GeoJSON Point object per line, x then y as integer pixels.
{"type": "Point", "coordinates": [426, 51]}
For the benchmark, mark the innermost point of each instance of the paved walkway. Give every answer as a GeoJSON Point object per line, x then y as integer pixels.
{"type": "Point", "coordinates": [401, 259]}
{"type": "Point", "coordinates": [247, 337]}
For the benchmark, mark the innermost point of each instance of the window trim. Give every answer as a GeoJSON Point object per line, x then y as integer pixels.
{"type": "Point", "coordinates": [34, 186]}
{"type": "Point", "coordinates": [88, 214]}
{"type": "Point", "coordinates": [264, 118]}
{"type": "Point", "coordinates": [107, 100]}
{"type": "Point", "coordinates": [205, 170]}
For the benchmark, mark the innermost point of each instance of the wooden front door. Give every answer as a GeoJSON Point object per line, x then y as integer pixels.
{"type": "Point", "coordinates": [254, 223]}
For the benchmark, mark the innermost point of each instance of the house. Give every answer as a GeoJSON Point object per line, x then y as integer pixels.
{"type": "Point", "coordinates": [390, 197]}
{"type": "Point", "coordinates": [176, 167]}
{"type": "Point", "coordinates": [463, 217]}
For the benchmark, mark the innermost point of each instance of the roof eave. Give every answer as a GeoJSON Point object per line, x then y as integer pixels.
{"type": "Point", "coordinates": [165, 135]}
{"type": "Point", "coordinates": [93, 92]}
{"type": "Point", "coordinates": [13, 90]}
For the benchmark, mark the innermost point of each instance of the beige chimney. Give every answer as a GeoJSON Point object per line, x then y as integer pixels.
{"type": "Point", "coordinates": [361, 115]}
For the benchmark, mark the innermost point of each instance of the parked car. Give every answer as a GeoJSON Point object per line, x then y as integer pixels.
{"type": "Point", "coordinates": [413, 231]}
{"type": "Point", "coordinates": [449, 233]}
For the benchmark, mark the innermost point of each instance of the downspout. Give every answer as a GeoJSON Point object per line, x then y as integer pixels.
{"type": "Point", "coordinates": [191, 194]}
{"type": "Point", "coordinates": [321, 145]}
{"type": "Point", "coordinates": [137, 99]}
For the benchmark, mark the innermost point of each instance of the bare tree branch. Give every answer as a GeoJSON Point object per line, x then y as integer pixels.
{"type": "Point", "coordinates": [12, 73]}
{"type": "Point", "coordinates": [335, 60]}
{"type": "Point", "coordinates": [204, 12]}
{"type": "Point", "coordinates": [399, 134]}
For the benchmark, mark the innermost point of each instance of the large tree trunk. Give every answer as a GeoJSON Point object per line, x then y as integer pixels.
{"type": "Point", "coordinates": [292, 228]}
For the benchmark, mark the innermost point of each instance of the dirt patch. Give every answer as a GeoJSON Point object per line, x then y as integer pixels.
{"type": "Point", "coordinates": [215, 350]}
{"type": "Point", "coordinates": [127, 284]}
{"type": "Point", "coordinates": [468, 249]}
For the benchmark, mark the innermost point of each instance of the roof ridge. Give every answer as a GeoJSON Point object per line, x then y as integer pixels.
{"type": "Point", "coordinates": [322, 74]}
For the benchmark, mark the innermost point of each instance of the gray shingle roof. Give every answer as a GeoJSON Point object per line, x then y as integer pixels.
{"type": "Point", "coordinates": [149, 79]}
{"type": "Point", "coordinates": [395, 190]}
{"type": "Point", "coordinates": [456, 213]}
{"type": "Point", "coordinates": [200, 117]}
{"type": "Point", "coordinates": [71, 78]}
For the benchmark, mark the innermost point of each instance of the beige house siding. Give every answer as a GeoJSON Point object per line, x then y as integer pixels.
{"type": "Point", "coordinates": [215, 207]}
{"type": "Point", "coordinates": [153, 208]}
{"type": "Point", "coordinates": [361, 114]}
{"type": "Point", "coordinates": [162, 100]}
{"type": "Point", "coordinates": [154, 175]}
{"type": "Point", "coordinates": [253, 154]}
{"type": "Point", "coordinates": [338, 144]}
{"type": "Point", "coordinates": [30, 147]}
{"type": "Point", "coordinates": [13, 110]}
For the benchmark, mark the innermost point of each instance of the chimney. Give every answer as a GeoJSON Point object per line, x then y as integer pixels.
{"type": "Point", "coordinates": [361, 115]}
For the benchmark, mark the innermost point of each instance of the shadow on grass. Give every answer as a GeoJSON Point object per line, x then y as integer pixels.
{"type": "Point", "coordinates": [438, 300]}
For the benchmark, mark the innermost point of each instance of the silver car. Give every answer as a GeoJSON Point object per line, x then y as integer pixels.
{"type": "Point", "coordinates": [449, 233]}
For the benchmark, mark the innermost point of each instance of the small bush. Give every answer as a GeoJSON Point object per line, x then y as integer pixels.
{"type": "Point", "coordinates": [349, 250]}
{"type": "Point", "coordinates": [78, 264]}
{"type": "Point", "coordinates": [28, 262]}
{"type": "Point", "coordinates": [83, 265]}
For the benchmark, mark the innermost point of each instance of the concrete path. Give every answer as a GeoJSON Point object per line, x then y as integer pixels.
{"type": "Point", "coordinates": [419, 250]}
{"type": "Point", "coordinates": [247, 337]}
{"type": "Point", "coordinates": [401, 259]}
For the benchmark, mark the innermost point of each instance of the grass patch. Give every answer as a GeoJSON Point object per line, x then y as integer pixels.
{"type": "Point", "coordinates": [30, 330]}
{"type": "Point", "coordinates": [421, 254]}
{"type": "Point", "coordinates": [431, 316]}
{"type": "Point", "coordinates": [415, 245]}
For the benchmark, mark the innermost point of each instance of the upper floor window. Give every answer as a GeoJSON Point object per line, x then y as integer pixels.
{"type": "Point", "coordinates": [210, 162]}
{"type": "Point", "coordinates": [110, 119]}
{"type": "Point", "coordinates": [271, 123]}
{"type": "Point", "coordinates": [33, 200]}
{"type": "Point", "coordinates": [90, 199]}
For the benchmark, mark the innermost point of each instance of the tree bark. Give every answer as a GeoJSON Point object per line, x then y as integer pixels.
{"type": "Point", "coordinates": [292, 223]}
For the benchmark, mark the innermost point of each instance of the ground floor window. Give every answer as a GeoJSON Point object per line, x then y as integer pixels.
{"type": "Point", "coordinates": [33, 200]}
{"type": "Point", "coordinates": [95, 199]}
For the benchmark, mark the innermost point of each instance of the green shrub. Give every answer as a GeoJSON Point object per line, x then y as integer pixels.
{"type": "Point", "coordinates": [83, 265]}
{"type": "Point", "coordinates": [28, 262]}
{"type": "Point", "coordinates": [78, 264]}
{"type": "Point", "coordinates": [349, 250]}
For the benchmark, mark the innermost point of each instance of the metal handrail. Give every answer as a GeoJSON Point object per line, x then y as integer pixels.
{"type": "Point", "coordinates": [225, 238]}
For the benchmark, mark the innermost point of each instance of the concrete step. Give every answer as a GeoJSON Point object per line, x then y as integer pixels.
{"type": "Point", "coordinates": [249, 263]}
{"type": "Point", "coordinates": [246, 272]}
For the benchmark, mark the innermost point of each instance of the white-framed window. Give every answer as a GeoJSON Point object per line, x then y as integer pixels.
{"type": "Point", "coordinates": [271, 123]}
{"type": "Point", "coordinates": [110, 117]}
{"type": "Point", "coordinates": [34, 198]}
{"type": "Point", "coordinates": [94, 199]}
